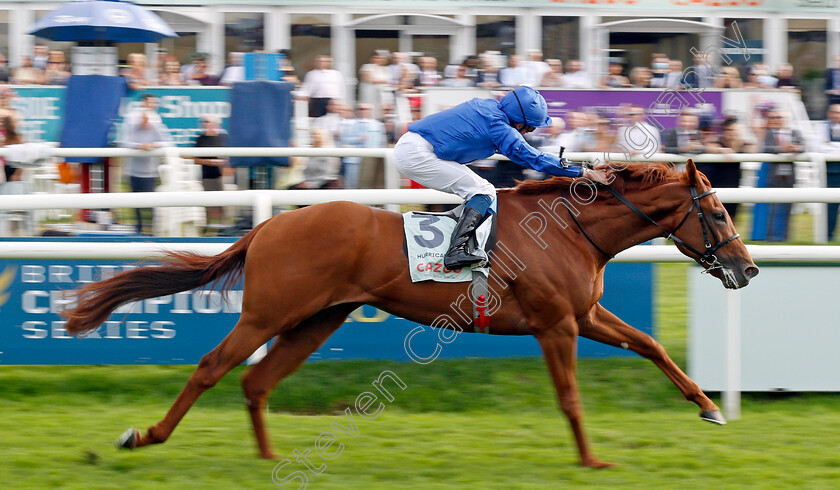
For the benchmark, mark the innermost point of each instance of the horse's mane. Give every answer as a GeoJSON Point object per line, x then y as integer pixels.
{"type": "Point", "coordinates": [646, 175]}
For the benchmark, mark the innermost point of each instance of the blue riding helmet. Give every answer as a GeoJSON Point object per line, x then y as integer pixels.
{"type": "Point", "coordinates": [526, 105]}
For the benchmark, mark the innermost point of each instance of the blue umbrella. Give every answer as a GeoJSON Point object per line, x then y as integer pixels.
{"type": "Point", "coordinates": [102, 20]}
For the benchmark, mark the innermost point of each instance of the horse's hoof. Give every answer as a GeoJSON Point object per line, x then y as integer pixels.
{"type": "Point", "coordinates": [128, 440]}
{"type": "Point", "coordinates": [597, 464]}
{"type": "Point", "coordinates": [713, 416]}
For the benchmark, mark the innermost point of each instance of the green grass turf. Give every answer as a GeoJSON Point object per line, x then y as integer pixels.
{"type": "Point", "coordinates": [458, 424]}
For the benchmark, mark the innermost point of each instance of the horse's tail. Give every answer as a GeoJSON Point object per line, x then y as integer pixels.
{"type": "Point", "coordinates": [186, 271]}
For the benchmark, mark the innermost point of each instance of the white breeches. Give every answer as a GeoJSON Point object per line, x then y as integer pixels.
{"type": "Point", "coordinates": [415, 158]}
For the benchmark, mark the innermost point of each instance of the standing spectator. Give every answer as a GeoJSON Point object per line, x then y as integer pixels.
{"type": "Point", "coordinates": [287, 71]}
{"type": "Point", "coordinates": [699, 76]}
{"type": "Point", "coordinates": [349, 137]}
{"type": "Point", "coordinates": [160, 62]}
{"type": "Point", "coordinates": [320, 172]}
{"type": "Point", "coordinates": [171, 74]}
{"type": "Point", "coordinates": [372, 135]}
{"type": "Point", "coordinates": [460, 79]}
{"type": "Point", "coordinates": [535, 68]}
{"type": "Point", "coordinates": [614, 78]}
{"type": "Point", "coordinates": [575, 135]}
{"type": "Point", "coordinates": [373, 77]}
{"type": "Point", "coordinates": [831, 139]}
{"type": "Point", "coordinates": [144, 131]}
{"type": "Point", "coordinates": [428, 75]}
{"type": "Point", "coordinates": [7, 97]}
{"type": "Point", "coordinates": [331, 120]}
{"type": "Point", "coordinates": [787, 80]}
{"type": "Point", "coordinates": [56, 72]}
{"type": "Point", "coordinates": [5, 71]}
{"type": "Point", "coordinates": [514, 75]}
{"type": "Point", "coordinates": [200, 74]}
{"type": "Point", "coordinates": [554, 77]}
{"type": "Point", "coordinates": [771, 222]}
{"type": "Point", "coordinates": [659, 67]}
{"type": "Point", "coordinates": [472, 63]}
{"type": "Point", "coordinates": [604, 134]}
{"type": "Point", "coordinates": [187, 68]}
{"type": "Point", "coordinates": [765, 78]}
{"type": "Point", "coordinates": [674, 78]}
{"type": "Point", "coordinates": [399, 62]}
{"type": "Point", "coordinates": [26, 74]}
{"type": "Point", "coordinates": [136, 74]}
{"type": "Point", "coordinates": [488, 73]}
{"type": "Point", "coordinates": [685, 138]}
{"type": "Point", "coordinates": [554, 140]}
{"type": "Point", "coordinates": [41, 55]}
{"type": "Point", "coordinates": [322, 84]}
{"type": "Point", "coordinates": [832, 82]}
{"type": "Point", "coordinates": [729, 77]}
{"type": "Point", "coordinates": [234, 72]}
{"type": "Point", "coordinates": [211, 167]}
{"type": "Point", "coordinates": [638, 135]}
{"type": "Point", "coordinates": [640, 77]}
{"type": "Point", "coordinates": [10, 136]}
{"type": "Point", "coordinates": [725, 173]}
{"type": "Point", "coordinates": [575, 77]}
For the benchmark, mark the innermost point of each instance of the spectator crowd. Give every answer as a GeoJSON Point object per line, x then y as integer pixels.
{"type": "Point", "coordinates": [389, 77]}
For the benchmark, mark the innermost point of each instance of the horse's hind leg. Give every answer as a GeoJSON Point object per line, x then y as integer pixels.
{"type": "Point", "coordinates": [289, 352]}
{"type": "Point", "coordinates": [240, 343]}
{"type": "Point", "coordinates": [604, 327]}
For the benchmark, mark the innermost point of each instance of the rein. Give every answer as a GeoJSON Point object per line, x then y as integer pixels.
{"type": "Point", "coordinates": [708, 257]}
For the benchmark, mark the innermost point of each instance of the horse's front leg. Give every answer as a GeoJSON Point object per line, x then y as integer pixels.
{"type": "Point", "coordinates": [602, 326]}
{"type": "Point", "coordinates": [559, 346]}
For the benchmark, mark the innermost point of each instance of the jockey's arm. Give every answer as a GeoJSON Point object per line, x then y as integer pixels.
{"type": "Point", "coordinates": [512, 145]}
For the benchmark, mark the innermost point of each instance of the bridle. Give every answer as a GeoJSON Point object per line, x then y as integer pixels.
{"type": "Point", "coordinates": [708, 257]}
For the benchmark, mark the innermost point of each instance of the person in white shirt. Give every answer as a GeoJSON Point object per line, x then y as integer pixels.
{"type": "Point", "coordinates": [637, 135]}
{"type": "Point", "coordinates": [428, 76]}
{"type": "Point", "coordinates": [235, 72]}
{"type": "Point", "coordinates": [322, 84]}
{"type": "Point", "coordinates": [575, 77]}
{"type": "Point", "coordinates": [331, 121]}
{"type": "Point", "coordinates": [514, 75]}
{"type": "Point", "coordinates": [535, 68]}
{"type": "Point", "coordinates": [575, 135]}
{"type": "Point", "coordinates": [399, 63]}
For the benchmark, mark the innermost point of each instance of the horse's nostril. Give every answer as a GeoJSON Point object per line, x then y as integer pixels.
{"type": "Point", "coordinates": [751, 272]}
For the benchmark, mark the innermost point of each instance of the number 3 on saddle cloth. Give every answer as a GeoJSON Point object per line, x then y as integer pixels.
{"type": "Point", "coordinates": [427, 237]}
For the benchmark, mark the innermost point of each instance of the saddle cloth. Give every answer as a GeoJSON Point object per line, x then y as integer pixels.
{"type": "Point", "coordinates": [427, 237]}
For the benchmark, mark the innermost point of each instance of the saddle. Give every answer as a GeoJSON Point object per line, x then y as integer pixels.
{"type": "Point", "coordinates": [425, 242]}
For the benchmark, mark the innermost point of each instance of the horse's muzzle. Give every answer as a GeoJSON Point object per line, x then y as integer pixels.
{"type": "Point", "coordinates": [736, 277]}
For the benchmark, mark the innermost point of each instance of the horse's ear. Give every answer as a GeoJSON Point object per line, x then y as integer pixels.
{"type": "Point", "coordinates": [691, 172]}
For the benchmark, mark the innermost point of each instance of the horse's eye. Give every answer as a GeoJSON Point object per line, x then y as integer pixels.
{"type": "Point", "coordinates": [719, 216]}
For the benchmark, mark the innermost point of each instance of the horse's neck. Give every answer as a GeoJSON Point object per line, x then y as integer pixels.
{"type": "Point", "coordinates": [621, 228]}
{"type": "Point", "coordinates": [612, 227]}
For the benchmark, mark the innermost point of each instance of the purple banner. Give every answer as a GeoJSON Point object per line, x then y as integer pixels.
{"type": "Point", "coordinates": [661, 106]}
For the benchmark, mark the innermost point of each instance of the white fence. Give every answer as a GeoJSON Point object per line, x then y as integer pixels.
{"type": "Point", "coordinates": [263, 201]}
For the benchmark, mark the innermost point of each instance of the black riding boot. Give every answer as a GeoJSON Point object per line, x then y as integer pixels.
{"type": "Point", "coordinates": [461, 252]}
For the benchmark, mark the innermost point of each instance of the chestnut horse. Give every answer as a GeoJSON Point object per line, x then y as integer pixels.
{"type": "Point", "coordinates": [306, 270]}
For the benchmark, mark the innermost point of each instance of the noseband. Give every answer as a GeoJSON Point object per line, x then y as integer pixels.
{"type": "Point", "coordinates": [708, 257]}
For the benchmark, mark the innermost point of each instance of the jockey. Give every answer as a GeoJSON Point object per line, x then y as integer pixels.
{"type": "Point", "coordinates": [434, 150]}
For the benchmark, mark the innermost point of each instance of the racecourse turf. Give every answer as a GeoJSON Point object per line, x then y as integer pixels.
{"type": "Point", "coordinates": [484, 423]}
